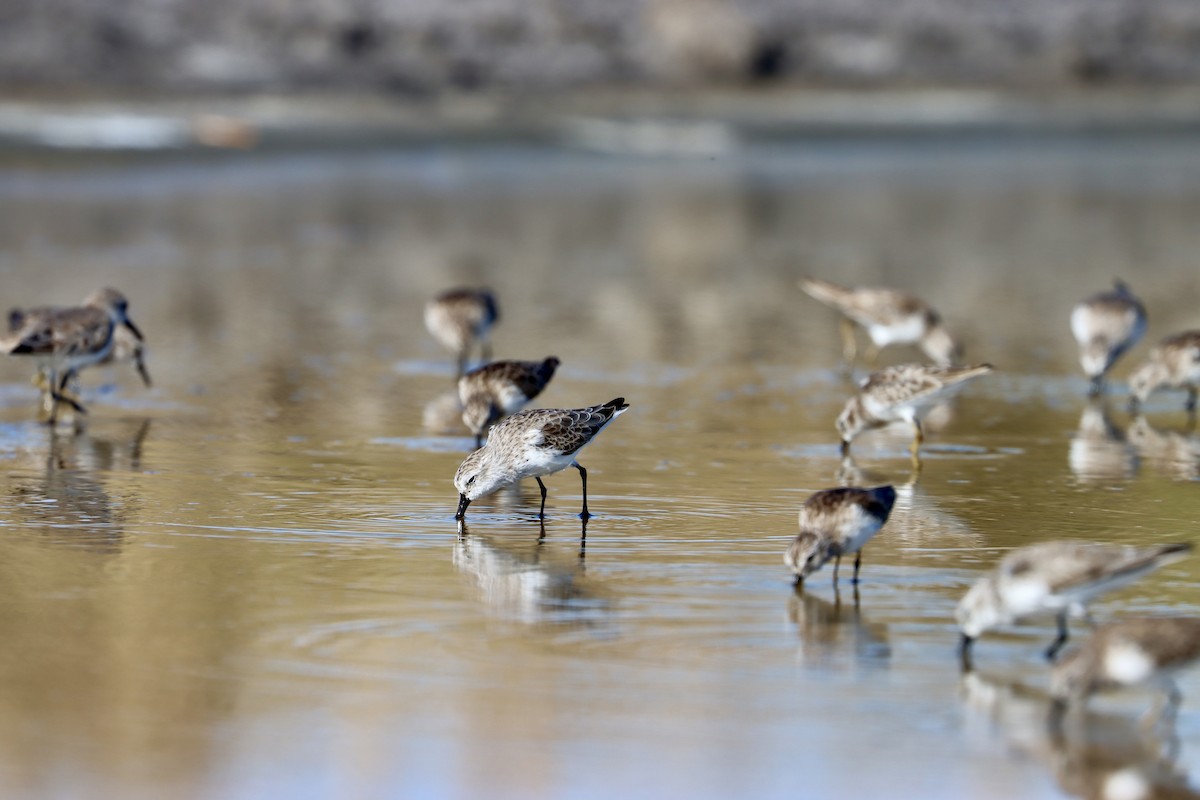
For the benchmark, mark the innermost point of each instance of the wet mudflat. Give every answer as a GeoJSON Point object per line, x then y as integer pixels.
{"type": "Point", "coordinates": [247, 581]}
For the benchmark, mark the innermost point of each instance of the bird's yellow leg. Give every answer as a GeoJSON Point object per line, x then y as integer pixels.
{"type": "Point", "coordinates": [849, 345]}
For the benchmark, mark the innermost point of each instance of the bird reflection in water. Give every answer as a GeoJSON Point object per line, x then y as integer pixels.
{"type": "Point", "coordinates": [1176, 453]}
{"type": "Point", "coordinates": [442, 415]}
{"type": "Point", "coordinates": [69, 503]}
{"type": "Point", "coordinates": [1094, 756]}
{"type": "Point", "coordinates": [520, 581]}
{"type": "Point", "coordinates": [831, 631]}
{"type": "Point", "coordinates": [1099, 450]}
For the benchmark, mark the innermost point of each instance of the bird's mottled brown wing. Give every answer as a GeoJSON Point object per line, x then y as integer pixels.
{"type": "Point", "coordinates": [561, 430]}
{"type": "Point", "coordinates": [1187, 342]}
{"type": "Point", "coordinates": [62, 332]}
{"type": "Point", "coordinates": [904, 382]}
{"type": "Point", "coordinates": [572, 429]}
{"type": "Point", "coordinates": [1067, 565]}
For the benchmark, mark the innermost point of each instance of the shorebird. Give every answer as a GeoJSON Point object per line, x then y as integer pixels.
{"type": "Point", "coordinates": [1106, 325]}
{"type": "Point", "coordinates": [834, 523]}
{"type": "Point", "coordinates": [530, 444]}
{"type": "Point", "coordinates": [65, 340]}
{"type": "Point", "coordinates": [461, 317]}
{"type": "Point", "coordinates": [901, 393]}
{"type": "Point", "coordinates": [496, 390]}
{"type": "Point", "coordinates": [1173, 364]}
{"type": "Point", "coordinates": [1131, 652]}
{"type": "Point", "coordinates": [126, 347]}
{"type": "Point", "coordinates": [1058, 578]}
{"type": "Point", "coordinates": [889, 316]}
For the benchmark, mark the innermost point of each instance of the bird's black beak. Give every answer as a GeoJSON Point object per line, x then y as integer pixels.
{"type": "Point", "coordinates": [128, 323]}
{"type": "Point", "coordinates": [463, 502]}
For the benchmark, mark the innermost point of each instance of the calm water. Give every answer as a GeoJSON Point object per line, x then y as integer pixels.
{"type": "Point", "coordinates": [247, 582]}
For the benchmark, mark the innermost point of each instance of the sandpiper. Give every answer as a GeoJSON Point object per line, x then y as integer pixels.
{"type": "Point", "coordinates": [837, 522]}
{"type": "Point", "coordinates": [461, 317]}
{"type": "Point", "coordinates": [901, 393]}
{"type": "Point", "coordinates": [65, 340]}
{"type": "Point", "coordinates": [1058, 578]}
{"type": "Point", "coordinates": [496, 390]}
{"type": "Point", "coordinates": [126, 346]}
{"type": "Point", "coordinates": [1106, 325]}
{"type": "Point", "coordinates": [1173, 364]}
{"type": "Point", "coordinates": [530, 444]}
{"type": "Point", "coordinates": [889, 316]}
{"type": "Point", "coordinates": [1128, 653]}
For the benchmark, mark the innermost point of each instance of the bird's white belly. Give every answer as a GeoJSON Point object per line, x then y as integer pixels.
{"type": "Point", "coordinates": [511, 399]}
{"type": "Point", "coordinates": [1127, 663]}
{"type": "Point", "coordinates": [866, 529]}
{"type": "Point", "coordinates": [908, 330]}
{"type": "Point", "coordinates": [1082, 327]}
{"type": "Point", "coordinates": [537, 462]}
{"type": "Point", "coordinates": [1026, 597]}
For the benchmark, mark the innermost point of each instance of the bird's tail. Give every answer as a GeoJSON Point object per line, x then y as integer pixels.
{"type": "Point", "coordinates": [828, 293]}
{"type": "Point", "coordinates": [960, 374]}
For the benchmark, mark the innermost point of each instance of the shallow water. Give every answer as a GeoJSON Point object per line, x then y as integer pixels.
{"type": "Point", "coordinates": [246, 582]}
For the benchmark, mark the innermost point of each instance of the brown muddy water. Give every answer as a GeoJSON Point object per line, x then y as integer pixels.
{"type": "Point", "coordinates": [247, 582]}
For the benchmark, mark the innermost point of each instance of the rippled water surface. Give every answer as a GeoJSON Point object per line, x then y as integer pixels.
{"type": "Point", "coordinates": [247, 582]}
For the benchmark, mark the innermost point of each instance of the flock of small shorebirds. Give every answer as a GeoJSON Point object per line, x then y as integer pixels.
{"type": "Point", "coordinates": [1056, 578]}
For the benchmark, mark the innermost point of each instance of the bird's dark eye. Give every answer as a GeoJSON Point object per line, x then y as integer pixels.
{"type": "Point", "coordinates": [470, 480]}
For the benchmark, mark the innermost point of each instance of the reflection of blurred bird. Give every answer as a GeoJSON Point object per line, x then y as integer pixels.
{"type": "Point", "coordinates": [827, 629]}
{"type": "Point", "coordinates": [1173, 364]}
{"type": "Point", "coordinates": [517, 585]}
{"type": "Point", "coordinates": [1106, 325]}
{"type": "Point", "coordinates": [493, 391]}
{"type": "Point", "coordinates": [69, 504]}
{"type": "Point", "coordinates": [65, 340]}
{"type": "Point", "coordinates": [901, 393]}
{"type": "Point", "coordinates": [888, 316]}
{"type": "Point", "coordinates": [1098, 450]}
{"type": "Point", "coordinates": [837, 522]}
{"type": "Point", "coordinates": [1176, 452]}
{"type": "Point", "coordinates": [443, 414]}
{"type": "Point", "coordinates": [460, 318]}
{"type": "Point", "coordinates": [1054, 578]}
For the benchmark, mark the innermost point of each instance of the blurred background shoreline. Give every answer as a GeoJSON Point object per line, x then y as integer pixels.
{"type": "Point", "coordinates": [689, 123]}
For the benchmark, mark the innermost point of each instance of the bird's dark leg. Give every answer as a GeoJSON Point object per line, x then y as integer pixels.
{"type": "Point", "coordinates": [462, 363]}
{"type": "Point", "coordinates": [836, 563]}
{"type": "Point", "coordinates": [857, 564]}
{"type": "Point", "coordinates": [542, 510]}
{"type": "Point", "coordinates": [964, 653]}
{"type": "Point", "coordinates": [59, 395]}
{"type": "Point", "coordinates": [485, 350]}
{"type": "Point", "coordinates": [1059, 640]}
{"type": "Point", "coordinates": [1096, 388]}
{"type": "Point", "coordinates": [583, 476]}
{"type": "Point", "coordinates": [478, 440]}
